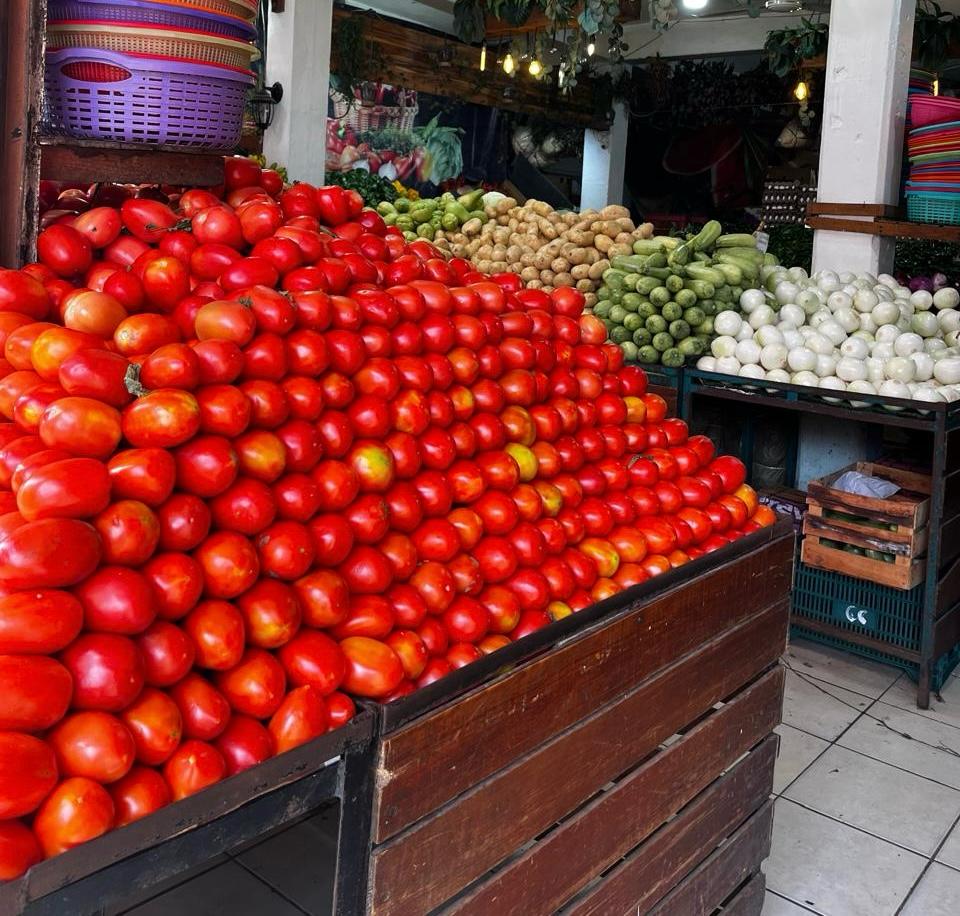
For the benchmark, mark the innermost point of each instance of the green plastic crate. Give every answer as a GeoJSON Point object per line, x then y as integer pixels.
{"type": "Point", "coordinates": [889, 615]}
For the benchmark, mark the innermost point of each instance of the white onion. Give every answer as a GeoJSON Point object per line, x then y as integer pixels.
{"type": "Point", "coordinates": [793, 313]}
{"type": "Point", "coordinates": [891, 388]}
{"type": "Point", "coordinates": [930, 395]}
{"type": "Point", "coordinates": [768, 334]}
{"type": "Point", "coordinates": [885, 313]}
{"type": "Point", "coordinates": [778, 375]}
{"type": "Point", "coordinates": [707, 363]}
{"type": "Point", "coordinates": [868, 324]}
{"type": "Point", "coordinates": [809, 300]}
{"type": "Point", "coordinates": [925, 324]}
{"type": "Point", "coordinates": [851, 369]}
{"type": "Point", "coordinates": [882, 349]}
{"type": "Point", "coordinates": [773, 356]}
{"type": "Point", "coordinates": [751, 370]}
{"type": "Point", "coordinates": [946, 298]}
{"type": "Point", "coordinates": [949, 320]}
{"type": "Point", "coordinates": [727, 323]}
{"type": "Point", "coordinates": [907, 343]}
{"type": "Point", "coordinates": [865, 300]}
{"type": "Point", "coordinates": [751, 299]}
{"type": "Point", "coordinates": [875, 373]}
{"type": "Point", "coordinates": [923, 366]}
{"type": "Point", "coordinates": [827, 280]}
{"type": "Point", "coordinates": [792, 339]}
{"type": "Point", "coordinates": [883, 294]}
{"type": "Point", "coordinates": [826, 364]}
{"type": "Point", "coordinates": [947, 371]}
{"type": "Point", "coordinates": [819, 317]}
{"type": "Point", "coordinates": [761, 316]}
{"type": "Point", "coordinates": [934, 345]}
{"type": "Point", "coordinates": [745, 332]}
{"type": "Point", "coordinates": [831, 381]}
{"type": "Point", "coordinates": [786, 292]}
{"type": "Point", "coordinates": [855, 348]}
{"type": "Point", "coordinates": [833, 332]}
{"type": "Point", "coordinates": [801, 359]}
{"type": "Point", "coordinates": [819, 344]}
{"type": "Point", "coordinates": [847, 277]}
{"type": "Point", "coordinates": [848, 319]}
{"type": "Point", "coordinates": [748, 352]}
{"type": "Point", "coordinates": [921, 300]}
{"type": "Point", "coordinates": [839, 300]}
{"type": "Point", "coordinates": [888, 280]}
{"type": "Point", "coordinates": [728, 365]}
{"type": "Point", "coordinates": [900, 369]}
{"type": "Point", "coordinates": [723, 346]}
{"type": "Point", "coordinates": [806, 379]}
{"type": "Point", "coordinates": [887, 333]}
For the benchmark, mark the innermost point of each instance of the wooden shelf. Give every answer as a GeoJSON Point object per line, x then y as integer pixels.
{"type": "Point", "coordinates": [875, 219]}
{"type": "Point", "coordinates": [70, 159]}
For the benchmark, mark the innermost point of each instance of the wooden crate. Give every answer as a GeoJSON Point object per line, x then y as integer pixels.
{"type": "Point", "coordinates": [603, 775]}
{"type": "Point", "coordinates": [906, 536]}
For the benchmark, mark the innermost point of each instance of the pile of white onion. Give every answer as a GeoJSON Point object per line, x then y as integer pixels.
{"type": "Point", "coordinates": [843, 332]}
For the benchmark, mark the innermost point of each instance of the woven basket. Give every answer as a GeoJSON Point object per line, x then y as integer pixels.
{"type": "Point", "coordinates": [360, 116]}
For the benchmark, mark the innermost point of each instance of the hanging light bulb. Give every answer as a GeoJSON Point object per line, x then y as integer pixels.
{"type": "Point", "coordinates": [483, 58]}
{"type": "Point", "coordinates": [936, 87]}
{"type": "Point", "coordinates": [535, 68]}
{"type": "Point", "coordinates": [591, 46]}
{"type": "Point", "coordinates": [801, 91]}
{"type": "Point", "coordinates": [508, 64]}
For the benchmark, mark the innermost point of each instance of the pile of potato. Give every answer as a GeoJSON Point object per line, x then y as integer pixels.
{"type": "Point", "coordinates": [547, 247]}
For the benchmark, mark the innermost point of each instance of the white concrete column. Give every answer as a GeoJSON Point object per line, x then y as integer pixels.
{"type": "Point", "coordinates": [605, 162]}
{"type": "Point", "coordinates": [861, 147]}
{"type": "Point", "coordinates": [298, 56]}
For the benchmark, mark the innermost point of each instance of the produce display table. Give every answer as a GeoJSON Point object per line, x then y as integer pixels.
{"type": "Point", "coordinates": [599, 775]}
{"type": "Point", "coordinates": [917, 629]}
{"type": "Point", "coordinates": [104, 874]}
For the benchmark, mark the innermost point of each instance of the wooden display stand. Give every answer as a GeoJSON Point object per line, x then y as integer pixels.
{"type": "Point", "coordinates": [600, 776]}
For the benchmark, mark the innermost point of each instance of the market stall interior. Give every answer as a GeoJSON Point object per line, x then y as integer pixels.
{"type": "Point", "coordinates": [394, 398]}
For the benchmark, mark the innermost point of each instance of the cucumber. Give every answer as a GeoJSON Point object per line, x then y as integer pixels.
{"type": "Point", "coordinates": [707, 236]}
{"type": "Point", "coordinates": [628, 263]}
{"type": "Point", "coordinates": [602, 309]}
{"type": "Point", "coordinates": [646, 310]}
{"type": "Point", "coordinates": [648, 354]}
{"type": "Point", "coordinates": [672, 357]}
{"type": "Point", "coordinates": [618, 313]}
{"type": "Point", "coordinates": [674, 283]}
{"type": "Point", "coordinates": [660, 296]}
{"type": "Point", "coordinates": [691, 346]}
{"type": "Point", "coordinates": [619, 334]}
{"type": "Point", "coordinates": [642, 337]}
{"type": "Point", "coordinates": [647, 247]}
{"type": "Point", "coordinates": [702, 288]}
{"type": "Point", "coordinates": [736, 240]}
{"type": "Point", "coordinates": [630, 351]}
{"type": "Point", "coordinates": [631, 301]}
{"type": "Point", "coordinates": [679, 329]}
{"type": "Point", "coordinates": [656, 324]}
{"type": "Point", "coordinates": [709, 274]}
{"type": "Point", "coordinates": [685, 298]}
{"type": "Point", "coordinates": [662, 341]}
{"type": "Point", "coordinates": [633, 322]}
{"type": "Point", "coordinates": [646, 285]}
{"type": "Point", "coordinates": [694, 316]}
{"type": "Point", "coordinates": [672, 311]}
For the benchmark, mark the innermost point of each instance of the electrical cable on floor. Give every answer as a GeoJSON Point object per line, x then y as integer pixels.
{"type": "Point", "coordinates": [810, 680]}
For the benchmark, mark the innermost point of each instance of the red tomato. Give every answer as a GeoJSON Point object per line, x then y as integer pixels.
{"type": "Point", "coordinates": [168, 653]}
{"type": "Point", "coordinates": [332, 539]}
{"type": "Point", "coordinates": [229, 562]}
{"type": "Point", "coordinates": [271, 614]}
{"type": "Point", "coordinates": [116, 600]}
{"type": "Point", "coordinates": [28, 771]}
{"type": "Point", "coordinates": [96, 745]}
{"type": "Point", "coordinates": [39, 621]}
{"type": "Point", "coordinates": [184, 522]}
{"type": "Point", "coordinates": [204, 709]}
{"type": "Point", "coordinates": [64, 250]}
{"type": "Point", "coordinates": [19, 292]}
{"type": "Point", "coordinates": [77, 810]}
{"type": "Point", "coordinates": [256, 685]}
{"type": "Point", "coordinates": [49, 553]}
{"type": "Point", "coordinates": [497, 558]}
{"type": "Point", "coordinates": [19, 850]}
{"type": "Point", "coordinates": [373, 668]}
{"type": "Point", "coordinates": [301, 717]}
{"type": "Point", "coordinates": [218, 632]}
{"type": "Point", "coordinates": [162, 418]}
{"type": "Point", "coordinates": [312, 658]}
{"type": "Point", "coordinates": [129, 531]}
{"type": "Point", "coordinates": [72, 488]}
{"type": "Point", "coordinates": [107, 671]}
{"type": "Point", "coordinates": [141, 792]}
{"type": "Point", "coordinates": [366, 571]}
{"type": "Point", "coordinates": [244, 744]}
{"type": "Point", "coordinates": [81, 426]}
{"type": "Point", "coordinates": [147, 475]}
{"type": "Point", "coordinates": [193, 766]}
{"type": "Point", "coordinates": [436, 586]}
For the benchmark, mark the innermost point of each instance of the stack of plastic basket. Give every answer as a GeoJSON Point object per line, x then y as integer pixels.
{"type": "Point", "coordinates": [933, 147]}
{"type": "Point", "coordinates": [171, 72]}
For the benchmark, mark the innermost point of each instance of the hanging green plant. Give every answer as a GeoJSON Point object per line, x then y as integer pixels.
{"type": "Point", "coordinates": [357, 58]}
{"type": "Point", "coordinates": [786, 49]}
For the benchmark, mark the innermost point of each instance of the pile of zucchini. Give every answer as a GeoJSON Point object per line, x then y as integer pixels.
{"type": "Point", "coordinates": [658, 303]}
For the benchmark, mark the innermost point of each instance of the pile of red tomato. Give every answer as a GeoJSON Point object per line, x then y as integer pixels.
{"type": "Point", "coordinates": [260, 455]}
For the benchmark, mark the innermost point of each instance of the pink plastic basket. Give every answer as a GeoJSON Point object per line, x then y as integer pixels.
{"type": "Point", "coordinates": [103, 95]}
{"type": "Point", "coordinates": [933, 109]}
{"type": "Point", "coordinates": [146, 12]}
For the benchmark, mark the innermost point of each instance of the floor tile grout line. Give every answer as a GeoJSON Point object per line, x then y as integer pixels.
{"type": "Point", "coordinates": [893, 766]}
{"type": "Point", "coordinates": [272, 886]}
{"type": "Point", "coordinates": [926, 867]}
{"type": "Point", "coordinates": [807, 767]}
{"type": "Point", "coordinates": [863, 830]}
{"type": "Point", "coordinates": [802, 906]}
{"type": "Point", "coordinates": [791, 667]}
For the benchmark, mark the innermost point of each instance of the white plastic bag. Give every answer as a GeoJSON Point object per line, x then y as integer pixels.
{"type": "Point", "coordinates": [862, 485]}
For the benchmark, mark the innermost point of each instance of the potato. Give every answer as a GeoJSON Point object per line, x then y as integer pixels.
{"type": "Point", "coordinates": [586, 286]}
{"type": "Point", "coordinates": [596, 270]}
{"type": "Point", "coordinates": [626, 225]}
{"type": "Point", "coordinates": [583, 238]}
{"type": "Point", "coordinates": [624, 238]}
{"type": "Point", "coordinates": [505, 205]}
{"type": "Point", "coordinates": [593, 256]}
{"type": "Point", "coordinates": [498, 267]}
{"type": "Point", "coordinates": [614, 211]}
{"type": "Point", "coordinates": [484, 266]}
{"type": "Point", "coordinates": [591, 299]}
{"type": "Point", "coordinates": [646, 231]}
{"type": "Point", "coordinates": [503, 220]}
{"type": "Point", "coordinates": [514, 224]}
{"type": "Point", "coordinates": [542, 260]}
{"type": "Point", "coordinates": [602, 243]}
{"type": "Point", "coordinates": [514, 251]}
{"type": "Point", "coordinates": [485, 252]}
{"type": "Point", "coordinates": [528, 259]}
{"type": "Point", "coordinates": [529, 273]}
{"type": "Point", "coordinates": [499, 253]}
{"type": "Point", "coordinates": [501, 235]}
{"type": "Point", "coordinates": [472, 227]}
{"type": "Point", "coordinates": [616, 250]}
{"type": "Point", "coordinates": [563, 278]}
{"type": "Point", "coordinates": [560, 265]}
{"type": "Point", "coordinates": [535, 283]}
{"type": "Point", "coordinates": [580, 272]}
{"type": "Point", "coordinates": [546, 276]}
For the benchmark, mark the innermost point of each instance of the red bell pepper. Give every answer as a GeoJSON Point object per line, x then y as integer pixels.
{"type": "Point", "coordinates": [333, 204]}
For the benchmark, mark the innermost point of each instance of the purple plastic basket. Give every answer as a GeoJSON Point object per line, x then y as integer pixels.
{"type": "Point", "coordinates": [143, 12]}
{"type": "Point", "coordinates": [195, 106]}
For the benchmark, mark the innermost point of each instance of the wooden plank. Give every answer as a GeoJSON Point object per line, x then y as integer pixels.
{"type": "Point", "coordinates": [910, 544]}
{"type": "Point", "coordinates": [19, 158]}
{"type": "Point", "coordinates": [948, 588]}
{"type": "Point", "coordinates": [949, 541]}
{"type": "Point", "coordinates": [822, 556]}
{"type": "Point", "coordinates": [484, 731]}
{"type": "Point", "coordinates": [748, 901]}
{"type": "Point", "coordinates": [618, 820]}
{"type": "Point", "coordinates": [946, 632]}
{"type": "Point", "coordinates": [656, 866]}
{"type": "Point", "coordinates": [821, 208]}
{"type": "Point", "coordinates": [129, 164]}
{"type": "Point", "coordinates": [721, 873]}
{"type": "Point", "coordinates": [889, 228]}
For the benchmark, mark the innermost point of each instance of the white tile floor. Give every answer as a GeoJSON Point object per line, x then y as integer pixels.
{"type": "Point", "coordinates": [867, 817]}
